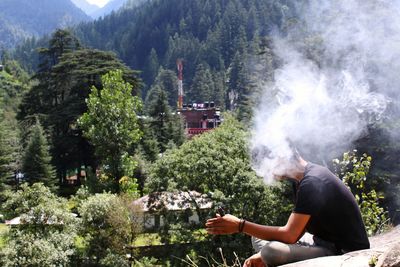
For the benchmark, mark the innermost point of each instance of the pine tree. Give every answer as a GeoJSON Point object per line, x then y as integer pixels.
{"type": "Point", "coordinates": [160, 112]}
{"type": "Point", "coordinates": [239, 82]}
{"type": "Point", "coordinates": [166, 127]}
{"type": "Point", "coordinates": [6, 174]}
{"type": "Point", "coordinates": [36, 164]}
{"type": "Point", "coordinates": [167, 80]}
{"type": "Point", "coordinates": [151, 67]}
{"type": "Point", "coordinates": [59, 96]}
{"type": "Point", "coordinates": [203, 85]}
{"type": "Point", "coordinates": [219, 93]}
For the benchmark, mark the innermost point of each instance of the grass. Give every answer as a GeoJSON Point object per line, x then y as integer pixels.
{"type": "Point", "coordinates": [3, 231]}
{"type": "Point", "coordinates": [147, 239]}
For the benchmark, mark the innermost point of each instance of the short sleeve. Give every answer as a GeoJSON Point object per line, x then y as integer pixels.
{"type": "Point", "coordinates": [309, 199]}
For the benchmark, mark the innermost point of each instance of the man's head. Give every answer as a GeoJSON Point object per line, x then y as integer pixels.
{"type": "Point", "coordinates": [279, 162]}
{"type": "Point", "coordinates": [290, 166]}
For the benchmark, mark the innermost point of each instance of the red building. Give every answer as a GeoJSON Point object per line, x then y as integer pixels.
{"type": "Point", "coordinates": [200, 118]}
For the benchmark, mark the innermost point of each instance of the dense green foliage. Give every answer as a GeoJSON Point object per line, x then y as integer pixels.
{"type": "Point", "coordinates": [66, 74]}
{"type": "Point", "coordinates": [217, 163]}
{"type": "Point", "coordinates": [353, 170]}
{"type": "Point", "coordinates": [109, 224]}
{"type": "Point", "coordinates": [166, 127]}
{"type": "Point", "coordinates": [24, 18]}
{"type": "Point", "coordinates": [36, 161]}
{"type": "Point", "coordinates": [226, 50]}
{"type": "Point", "coordinates": [50, 235]}
{"type": "Point", "coordinates": [6, 160]}
{"type": "Point", "coordinates": [206, 34]}
{"type": "Point", "coordinates": [46, 237]}
{"type": "Point", "coordinates": [210, 37]}
{"type": "Point", "coordinates": [111, 125]}
{"type": "Point", "coordinates": [13, 83]}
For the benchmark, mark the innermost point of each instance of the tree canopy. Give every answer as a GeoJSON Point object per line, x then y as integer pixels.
{"type": "Point", "coordinates": [63, 83]}
{"type": "Point", "coordinates": [111, 124]}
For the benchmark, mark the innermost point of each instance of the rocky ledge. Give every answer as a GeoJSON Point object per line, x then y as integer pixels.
{"type": "Point", "coordinates": [384, 252]}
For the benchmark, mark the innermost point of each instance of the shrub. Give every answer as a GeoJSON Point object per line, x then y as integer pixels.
{"type": "Point", "coordinates": [109, 223]}
{"type": "Point", "coordinates": [47, 231]}
{"type": "Point", "coordinates": [353, 170]}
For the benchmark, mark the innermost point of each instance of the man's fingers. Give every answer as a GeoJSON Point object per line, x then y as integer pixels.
{"type": "Point", "coordinates": [216, 231]}
{"type": "Point", "coordinates": [218, 218]}
{"type": "Point", "coordinates": [214, 221]}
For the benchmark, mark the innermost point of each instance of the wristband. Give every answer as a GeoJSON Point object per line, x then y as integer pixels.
{"type": "Point", "coordinates": [241, 225]}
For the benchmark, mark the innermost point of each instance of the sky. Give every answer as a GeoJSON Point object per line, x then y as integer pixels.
{"type": "Point", "coordinates": [99, 3]}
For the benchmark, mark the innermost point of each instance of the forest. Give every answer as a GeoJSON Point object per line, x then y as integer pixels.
{"type": "Point", "coordinates": [89, 129]}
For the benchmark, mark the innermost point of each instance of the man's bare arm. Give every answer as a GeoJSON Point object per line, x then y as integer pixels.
{"type": "Point", "coordinates": [289, 233]}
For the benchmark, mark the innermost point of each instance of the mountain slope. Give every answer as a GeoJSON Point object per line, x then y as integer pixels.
{"type": "Point", "coordinates": [86, 6]}
{"type": "Point", "coordinates": [114, 5]}
{"type": "Point", "coordinates": [197, 30]}
{"type": "Point", "coordinates": [22, 18]}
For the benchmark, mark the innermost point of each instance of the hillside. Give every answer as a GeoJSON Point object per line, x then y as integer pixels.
{"type": "Point", "coordinates": [216, 40]}
{"type": "Point", "coordinates": [86, 6]}
{"type": "Point", "coordinates": [23, 18]}
{"type": "Point", "coordinates": [207, 35]}
{"type": "Point", "coordinates": [108, 8]}
{"type": "Point", "coordinates": [113, 5]}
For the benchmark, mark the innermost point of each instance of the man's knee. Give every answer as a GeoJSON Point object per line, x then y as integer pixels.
{"type": "Point", "coordinates": [258, 244]}
{"type": "Point", "coordinates": [274, 253]}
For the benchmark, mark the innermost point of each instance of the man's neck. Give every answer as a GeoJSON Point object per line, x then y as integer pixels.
{"type": "Point", "coordinates": [300, 169]}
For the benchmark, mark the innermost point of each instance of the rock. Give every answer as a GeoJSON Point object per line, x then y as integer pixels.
{"type": "Point", "coordinates": [385, 249]}
{"type": "Point", "coordinates": [390, 258]}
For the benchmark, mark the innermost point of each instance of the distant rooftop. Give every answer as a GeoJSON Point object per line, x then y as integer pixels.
{"type": "Point", "coordinates": [174, 201]}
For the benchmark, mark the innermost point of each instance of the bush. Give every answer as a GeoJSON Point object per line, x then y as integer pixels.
{"type": "Point", "coordinates": [353, 170]}
{"type": "Point", "coordinates": [218, 164]}
{"type": "Point", "coordinates": [25, 248]}
{"type": "Point", "coordinates": [47, 231]}
{"type": "Point", "coordinates": [109, 223]}
{"type": "Point", "coordinates": [114, 260]}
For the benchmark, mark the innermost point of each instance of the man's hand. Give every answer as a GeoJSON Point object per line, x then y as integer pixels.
{"type": "Point", "coordinates": [254, 261]}
{"type": "Point", "coordinates": [227, 224]}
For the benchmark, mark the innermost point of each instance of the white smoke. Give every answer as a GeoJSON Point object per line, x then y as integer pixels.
{"type": "Point", "coordinates": [323, 102]}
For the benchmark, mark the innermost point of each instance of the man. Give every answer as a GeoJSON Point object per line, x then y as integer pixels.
{"type": "Point", "coordinates": [324, 207]}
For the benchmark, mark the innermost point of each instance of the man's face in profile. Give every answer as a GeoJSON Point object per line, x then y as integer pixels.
{"type": "Point", "coordinates": [283, 168]}
{"type": "Point", "coordinates": [279, 170]}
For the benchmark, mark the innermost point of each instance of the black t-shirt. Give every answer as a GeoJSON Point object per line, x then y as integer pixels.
{"type": "Point", "coordinates": [335, 215]}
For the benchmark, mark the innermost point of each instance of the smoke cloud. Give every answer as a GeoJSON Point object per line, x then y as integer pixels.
{"type": "Point", "coordinates": [339, 73]}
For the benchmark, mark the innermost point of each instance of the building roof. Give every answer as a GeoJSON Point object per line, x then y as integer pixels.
{"type": "Point", "coordinates": [174, 201]}
{"type": "Point", "coordinates": [15, 221]}
{"type": "Point", "coordinates": [18, 220]}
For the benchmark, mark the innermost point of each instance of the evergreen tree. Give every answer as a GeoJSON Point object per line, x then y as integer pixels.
{"type": "Point", "coordinates": [203, 86]}
{"type": "Point", "coordinates": [167, 80]}
{"type": "Point", "coordinates": [148, 144]}
{"type": "Point", "coordinates": [160, 113]}
{"type": "Point", "coordinates": [59, 99]}
{"type": "Point", "coordinates": [6, 175]}
{"type": "Point", "coordinates": [165, 126]}
{"type": "Point", "coordinates": [151, 67]}
{"type": "Point", "coordinates": [219, 94]}
{"type": "Point", "coordinates": [239, 82]}
{"type": "Point", "coordinates": [5, 56]}
{"type": "Point", "coordinates": [36, 162]}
